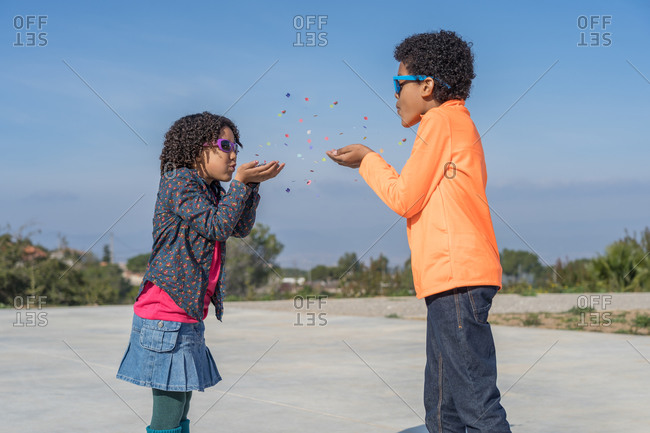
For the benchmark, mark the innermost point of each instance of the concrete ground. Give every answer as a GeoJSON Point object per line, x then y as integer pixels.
{"type": "Point", "coordinates": [285, 372]}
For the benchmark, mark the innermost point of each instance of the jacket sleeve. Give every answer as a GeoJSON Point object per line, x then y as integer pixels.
{"type": "Point", "coordinates": [247, 218]}
{"type": "Point", "coordinates": [408, 192]}
{"type": "Point", "coordinates": [189, 201]}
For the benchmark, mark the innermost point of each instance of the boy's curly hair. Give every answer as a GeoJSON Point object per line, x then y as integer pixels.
{"type": "Point", "coordinates": [442, 55]}
{"type": "Point", "coordinates": [184, 140]}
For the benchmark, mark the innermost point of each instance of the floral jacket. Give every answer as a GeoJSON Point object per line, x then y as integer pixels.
{"type": "Point", "coordinates": [190, 217]}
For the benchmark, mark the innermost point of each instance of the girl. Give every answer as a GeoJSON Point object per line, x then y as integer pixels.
{"type": "Point", "coordinates": [193, 218]}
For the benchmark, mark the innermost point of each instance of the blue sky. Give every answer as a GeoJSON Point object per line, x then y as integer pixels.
{"type": "Point", "coordinates": [567, 163]}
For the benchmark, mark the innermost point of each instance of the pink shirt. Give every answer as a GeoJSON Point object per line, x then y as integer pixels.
{"type": "Point", "coordinates": [154, 304]}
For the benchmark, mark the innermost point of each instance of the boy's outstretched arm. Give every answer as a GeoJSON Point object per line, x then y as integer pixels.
{"type": "Point", "coordinates": [406, 193]}
{"type": "Point", "coordinates": [349, 156]}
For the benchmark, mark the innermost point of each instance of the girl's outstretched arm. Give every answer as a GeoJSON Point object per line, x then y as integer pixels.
{"type": "Point", "coordinates": [247, 218]}
{"type": "Point", "coordinates": [187, 199]}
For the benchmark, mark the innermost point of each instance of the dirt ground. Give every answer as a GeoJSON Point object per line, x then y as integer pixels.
{"type": "Point", "coordinates": [621, 322]}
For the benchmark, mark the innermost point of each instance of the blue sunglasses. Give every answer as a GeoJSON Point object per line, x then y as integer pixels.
{"type": "Point", "coordinates": [398, 85]}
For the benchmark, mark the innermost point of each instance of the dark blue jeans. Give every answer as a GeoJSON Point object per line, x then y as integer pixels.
{"type": "Point", "coordinates": [460, 389]}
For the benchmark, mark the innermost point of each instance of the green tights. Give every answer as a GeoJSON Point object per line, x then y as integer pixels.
{"type": "Point", "coordinates": [169, 409]}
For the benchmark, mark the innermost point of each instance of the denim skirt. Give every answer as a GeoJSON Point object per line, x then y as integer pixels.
{"type": "Point", "coordinates": [168, 355]}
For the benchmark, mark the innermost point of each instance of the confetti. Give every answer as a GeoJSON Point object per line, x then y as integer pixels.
{"type": "Point", "coordinates": [309, 140]}
{"type": "Point", "coordinates": [311, 171]}
{"type": "Point", "coordinates": [288, 190]}
{"type": "Point", "coordinates": [268, 143]}
{"type": "Point", "coordinates": [365, 138]}
{"type": "Point", "coordinates": [365, 117]}
{"type": "Point", "coordinates": [365, 126]}
{"type": "Point", "coordinates": [299, 155]}
{"type": "Point", "coordinates": [315, 115]}
{"type": "Point", "coordinates": [381, 150]}
{"type": "Point", "coordinates": [308, 131]}
{"type": "Point", "coordinates": [257, 154]}
{"type": "Point", "coordinates": [309, 182]}
{"type": "Point", "coordinates": [403, 139]}
{"type": "Point", "coordinates": [323, 159]}
{"type": "Point", "coordinates": [286, 135]}
{"type": "Point", "coordinates": [286, 144]}
{"type": "Point", "coordinates": [279, 114]}
{"type": "Point", "coordinates": [326, 138]}
{"type": "Point", "coordinates": [288, 94]}
{"type": "Point", "coordinates": [300, 120]}
{"type": "Point", "coordinates": [340, 133]}
{"type": "Point", "coordinates": [284, 111]}
{"type": "Point", "coordinates": [306, 99]}
{"type": "Point", "coordinates": [331, 106]}
{"type": "Point", "coordinates": [336, 102]}
{"type": "Point", "coordinates": [311, 147]}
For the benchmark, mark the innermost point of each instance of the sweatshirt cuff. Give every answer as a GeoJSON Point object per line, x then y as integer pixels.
{"type": "Point", "coordinates": [367, 162]}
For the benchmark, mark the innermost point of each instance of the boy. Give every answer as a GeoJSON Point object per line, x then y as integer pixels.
{"type": "Point", "coordinates": [454, 255]}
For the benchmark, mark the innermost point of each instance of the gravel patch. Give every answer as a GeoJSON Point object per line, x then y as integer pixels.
{"type": "Point", "coordinates": [409, 307]}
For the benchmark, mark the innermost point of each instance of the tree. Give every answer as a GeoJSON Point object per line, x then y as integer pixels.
{"type": "Point", "coordinates": [324, 273]}
{"type": "Point", "coordinates": [138, 264]}
{"type": "Point", "coordinates": [28, 270]}
{"type": "Point", "coordinates": [106, 254]}
{"type": "Point", "coordinates": [250, 261]}
{"type": "Point", "coordinates": [625, 266]}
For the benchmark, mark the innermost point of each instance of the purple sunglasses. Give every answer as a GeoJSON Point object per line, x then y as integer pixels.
{"type": "Point", "coordinates": [225, 145]}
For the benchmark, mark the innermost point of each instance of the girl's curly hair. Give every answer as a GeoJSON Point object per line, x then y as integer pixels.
{"type": "Point", "coordinates": [442, 55]}
{"type": "Point", "coordinates": [184, 140]}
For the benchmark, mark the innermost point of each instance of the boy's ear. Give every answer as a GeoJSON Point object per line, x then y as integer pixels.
{"type": "Point", "coordinates": [426, 90]}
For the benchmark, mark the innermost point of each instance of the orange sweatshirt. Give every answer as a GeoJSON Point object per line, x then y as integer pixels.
{"type": "Point", "coordinates": [441, 193]}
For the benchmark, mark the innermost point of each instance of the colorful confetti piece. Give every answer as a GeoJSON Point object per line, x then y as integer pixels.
{"type": "Point", "coordinates": [288, 190]}
{"type": "Point", "coordinates": [286, 135]}
{"type": "Point", "coordinates": [331, 106]}
{"type": "Point", "coordinates": [309, 182]}
{"type": "Point", "coordinates": [284, 111]}
{"type": "Point", "coordinates": [365, 117]}
{"type": "Point", "coordinates": [300, 120]}
{"type": "Point", "coordinates": [268, 143]}
{"type": "Point", "coordinates": [381, 150]}
{"type": "Point", "coordinates": [308, 131]}
{"type": "Point", "coordinates": [326, 138]}
{"type": "Point", "coordinates": [309, 140]}
{"type": "Point", "coordinates": [403, 139]}
{"type": "Point", "coordinates": [288, 94]}
{"type": "Point", "coordinates": [336, 102]}
{"type": "Point", "coordinates": [299, 155]}
{"type": "Point", "coordinates": [279, 114]}
{"type": "Point", "coordinates": [306, 99]}
{"type": "Point", "coordinates": [323, 159]}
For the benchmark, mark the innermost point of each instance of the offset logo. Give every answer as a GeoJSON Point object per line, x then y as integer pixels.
{"type": "Point", "coordinates": [313, 316]}
{"type": "Point", "coordinates": [29, 30]}
{"type": "Point", "coordinates": [309, 30]}
{"type": "Point", "coordinates": [30, 318]}
{"type": "Point", "coordinates": [593, 30]}
{"type": "Point", "coordinates": [588, 305]}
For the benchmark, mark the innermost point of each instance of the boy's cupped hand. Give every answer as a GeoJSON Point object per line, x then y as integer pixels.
{"type": "Point", "coordinates": [350, 155]}
{"type": "Point", "coordinates": [251, 172]}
